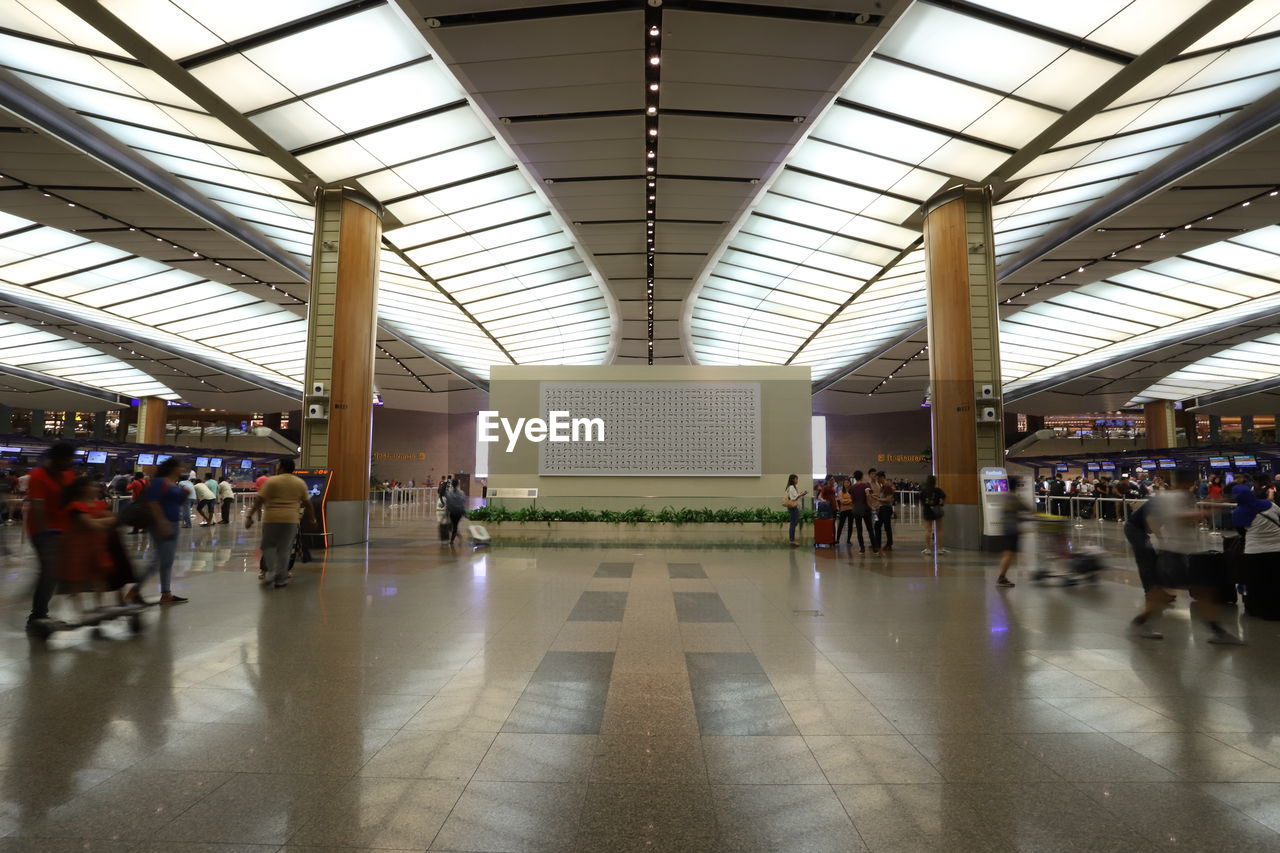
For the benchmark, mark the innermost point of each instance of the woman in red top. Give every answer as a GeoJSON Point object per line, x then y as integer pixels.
{"type": "Point", "coordinates": [1215, 488]}
{"type": "Point", "coordinates": [86, 558]}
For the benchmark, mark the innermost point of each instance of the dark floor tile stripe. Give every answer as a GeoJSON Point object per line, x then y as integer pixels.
{"type": "Point", "coordinates": [732, 695]}
{"type": "Point", "coordinates": [566, 695]}
{"type": "Point", "coordinates": [599, 607]}
{"type": "Point", "coordinates": [615, 570]}
{"type": "Point", "coordinates": [701, 607]}
{"type": "Point", "coordinates": [685, 571]}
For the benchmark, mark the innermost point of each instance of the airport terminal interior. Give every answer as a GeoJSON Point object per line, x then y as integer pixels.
{"type": "Point", "coordinates": [489, 426]}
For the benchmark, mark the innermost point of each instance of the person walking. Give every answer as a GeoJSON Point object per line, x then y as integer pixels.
{"type": "Point", "coordinates": [86, 562]}
{"type": "Point", "coordinates": [885, 497]}
{"type": "Point", "coordinates": [204, 501]}
{"type": "Point", "coordinates": [791, 500]}
{"type": "Point", "coordinates": [163, 498]}
{"type": "Point", "coordinates": [226, 496]}
{"type": "Point", "coordinates": [46, 520]}
{"type": "Point", "coordinates": [188, 498]}
{"type": "Point", "coordinates": [1259, 518]}
{"type": "Point", "coordinates": [1174, 517]}
{"type": "Point", "coordinates": [1015, 505]}
{"type": "Point", "coordinates": [456, 503]}
{"type": "Point", "coordinates": [280, 501]}
{"type": "Point", "coordinates": [933, 502]}
{"type": "Point", "coordinates": [136, 487]}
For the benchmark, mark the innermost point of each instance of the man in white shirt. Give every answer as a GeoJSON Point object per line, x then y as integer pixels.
{"type": "Point", "coordinates": [227, 496]}
{"type": "Point", "coordinates": [204, 502]}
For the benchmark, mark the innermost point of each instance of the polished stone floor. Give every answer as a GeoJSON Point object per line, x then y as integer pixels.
{"type": "Point", "coordinates": [400, 696]}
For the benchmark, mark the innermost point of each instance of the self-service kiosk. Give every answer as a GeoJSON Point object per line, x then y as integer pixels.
{"type": "Point", "coordinates": [317, 480]}
{"type": "Point", "coordinates": [994, 493]}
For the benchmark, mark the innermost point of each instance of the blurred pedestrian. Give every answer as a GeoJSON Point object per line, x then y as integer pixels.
{"type": "Point", "coordinates": [280, 501]}
{"type": "Point", "coordinates": [163, 499]}
{"type": "Point", "coordinates": [46, 520]}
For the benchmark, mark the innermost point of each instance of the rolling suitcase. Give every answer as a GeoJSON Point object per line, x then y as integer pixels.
{"type": "Point", "coordinates": [824, 533]}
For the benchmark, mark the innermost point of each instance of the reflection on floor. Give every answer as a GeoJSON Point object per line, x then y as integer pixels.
{"type": "Point", "coordinates": [402, 697]}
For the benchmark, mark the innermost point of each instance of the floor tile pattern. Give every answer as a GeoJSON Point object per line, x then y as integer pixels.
{"type": "Point", "coordinates": [409, 697]}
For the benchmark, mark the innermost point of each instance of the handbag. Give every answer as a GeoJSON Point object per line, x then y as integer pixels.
{"type": "Point", "coordinates": [789, 503]}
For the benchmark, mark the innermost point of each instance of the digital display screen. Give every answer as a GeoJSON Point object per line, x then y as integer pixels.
{"type": "Point", "coordinates": [1148, 464]}
{"type": "Point", "coordinates": [1062, 468]}
{"type": "Point", "coordinates": [1168, 463]}
{"type": "Point", "coordinates": [97, 457]}
{"type": "Point", "coordinates": [1108, 466]}
{"type": "Point", "coordinates": [1219, 462]}
{"type": "Point", "coordinates": [202, 461]}
{"type": "Point", "coordinates": [163, 456]}
{"type": "Point", "coordinates": [1246, 461]}
{"type": "Point", "coordinates": [215, 462]}
{"type": "Point", "coordinates": [1093, 466]}
{"type": "Point", "coordinates": [246, 464]}
{"type": "Point", "coordinates": [996, 485]}
{"type": "Point", "coordinates": [146, 459]}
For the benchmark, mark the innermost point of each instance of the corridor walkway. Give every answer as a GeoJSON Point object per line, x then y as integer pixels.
{"type": "Point", "coordinates": [402, 697]}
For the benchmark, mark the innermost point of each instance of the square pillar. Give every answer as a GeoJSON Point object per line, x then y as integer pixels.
{"type": "Point", "coordinates": [1160, 424]}
{"type": "Point", "coordinates": [341, 335]}
{"type": "Point", "coordinates": [964, 353]}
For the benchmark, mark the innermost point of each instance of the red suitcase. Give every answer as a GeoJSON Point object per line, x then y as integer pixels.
{"type": "Point", "coordinates": [824, 533]}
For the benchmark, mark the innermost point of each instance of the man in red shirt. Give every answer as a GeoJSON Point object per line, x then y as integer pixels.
{"type": "Point", "coordinates": [47, 521]}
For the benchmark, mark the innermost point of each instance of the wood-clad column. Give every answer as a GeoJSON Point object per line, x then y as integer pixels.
{"type": "Point", "coordinates": [341, 322]}
{"type": "Point", "coordinates": [964, 353]}
{"type": "Point", "coordinates": [1161, 426]}
{"type": "Point", "coordinates": [153, 417]}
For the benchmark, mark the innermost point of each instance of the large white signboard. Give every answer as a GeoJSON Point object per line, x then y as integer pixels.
{"type": "Point", "coordinates": [656, 429]}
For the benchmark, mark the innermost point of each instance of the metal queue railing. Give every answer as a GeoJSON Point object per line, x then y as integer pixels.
{"type": "Point", "coordinates": [1082, 509]}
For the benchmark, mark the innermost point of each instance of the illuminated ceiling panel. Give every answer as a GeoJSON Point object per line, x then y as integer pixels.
{"type": "Point", "coordinates": [1174, 105]}
{"type": "Point", "coordinates": [393, 119]}
{"type": "Point", "coordinates": [386, 117]}
{"type": "Point", "coordinates": [1240, 365]}
{"type": "Point", "coordinates": [923, 112]}
{"type": "Point", "coordinates": [1108, 321]}
{"type": "Point", "coordinates": [42, 352]}
{"type": "Point", "coordinates": [151, 302]}
{"type": "Point", "coordinates": [136, 106]}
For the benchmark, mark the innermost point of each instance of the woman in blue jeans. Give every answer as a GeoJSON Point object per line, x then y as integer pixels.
{"type": "Point", "coordinates": [165, 498]}
{"type": "Point", "coordinates": [792, 502]}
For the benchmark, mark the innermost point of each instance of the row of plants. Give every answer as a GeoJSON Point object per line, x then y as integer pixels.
{"type": "Point", "coordinates": [637, 515]}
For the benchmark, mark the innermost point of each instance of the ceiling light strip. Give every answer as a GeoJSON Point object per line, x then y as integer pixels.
{"type": "Point", "coordinates": [652, 93]}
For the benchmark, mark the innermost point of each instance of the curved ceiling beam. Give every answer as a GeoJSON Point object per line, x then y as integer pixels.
{"type": "Point", "coordinates": [109, 397]}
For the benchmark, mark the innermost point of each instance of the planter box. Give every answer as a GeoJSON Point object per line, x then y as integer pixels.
{"type": "Point", "coordinates": [644, 533]}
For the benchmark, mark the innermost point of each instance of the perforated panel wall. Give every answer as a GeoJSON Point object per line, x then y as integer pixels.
{"type": "Point", "coordinates": [667, 429]}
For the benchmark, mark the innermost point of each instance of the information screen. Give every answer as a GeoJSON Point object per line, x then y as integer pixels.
{"type": "Point", "coordinates": [246, 464]}
{"type": "Point", "coordinates": [1168, 463]}
{"type": "Point", "coordinates": [1108, 466]}
{"type": "Point", "coordinates": [1148, 464]}
{"type": "Point", "coordinates": [146, 459]}
{"type": "Point", "coordinates": [162, 457]}
{"type": "Point", "coordinates": [1219, 462]}
{"type": "Point", "coordinates": [996, 485]}
{"type": "Point", "coordinates": [1246, 461]}
{"type": "Point", "coordinates": [202, 461]}
{"type": "Point", "coordinates": [1093, 466]}
{"type": "Point", "coordinates": [97, 457]}
{"type": "Point", "coordinates": [216, 462]}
